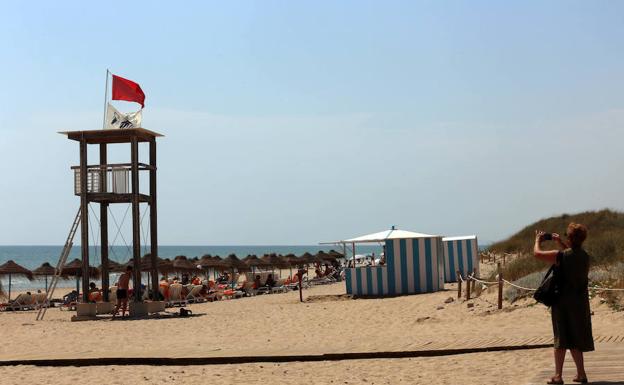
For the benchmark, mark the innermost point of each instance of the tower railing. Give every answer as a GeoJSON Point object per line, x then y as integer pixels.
{"type": "Point", "coordinates": [107, 178]}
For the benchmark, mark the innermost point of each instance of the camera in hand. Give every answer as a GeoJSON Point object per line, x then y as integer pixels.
{"type": "Point", "coordinates": [547, 237]}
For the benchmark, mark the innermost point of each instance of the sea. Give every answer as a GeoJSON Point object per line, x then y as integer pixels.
{"type": "Point", "coordinates": [32, 257]}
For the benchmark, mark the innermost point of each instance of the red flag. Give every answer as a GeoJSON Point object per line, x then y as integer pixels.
{"type": "Point", "coordinates": [124, 89]}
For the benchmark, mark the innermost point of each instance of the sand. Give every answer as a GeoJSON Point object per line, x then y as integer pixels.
{"type": "Point", "coordinates": [278, 324]}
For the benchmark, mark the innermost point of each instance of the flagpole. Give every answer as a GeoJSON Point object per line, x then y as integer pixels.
{"type": "Point", "coordinates": [105, 100]}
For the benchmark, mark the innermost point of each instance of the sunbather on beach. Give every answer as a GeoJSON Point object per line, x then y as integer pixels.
{"type": "Point", "coordinates": [270, 282]}
{"type": "Point", "coordinates": [95, 294]}
{"type": "Point", "coordinates": [122, 292]}
{"type": "Point", "coordinates": [164, 285]}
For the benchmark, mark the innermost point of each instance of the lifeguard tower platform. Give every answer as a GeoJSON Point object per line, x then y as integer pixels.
{"type": "Point", "coordinates": [107, 184]}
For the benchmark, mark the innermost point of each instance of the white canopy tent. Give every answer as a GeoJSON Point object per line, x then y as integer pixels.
{"type": "Point", "coordinates": [378, 237]}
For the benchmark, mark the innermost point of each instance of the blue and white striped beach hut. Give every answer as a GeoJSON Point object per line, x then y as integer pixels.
{"type": "Point", "coordinates": [460, 254]}
{"type": "Point", "coordinates": [414, 264]}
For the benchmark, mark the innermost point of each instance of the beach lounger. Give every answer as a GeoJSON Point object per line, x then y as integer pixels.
{"type": "Point", "coordinates": [248, 288]}
{"type": "Point", "coordinates": [279, 287]}
{"type": "Point", "coordinates": [175, 295]}
{"type": "Point", "coordinates": [112, 296]}
{"type": "Point", "coordinates": [40, 300]}
{"type": "Point", "coordinates": [69, 301]}
{"type": "Point", "coordinates": [21, 302]}
{"type": "Point", "coordinates": [194, 296]}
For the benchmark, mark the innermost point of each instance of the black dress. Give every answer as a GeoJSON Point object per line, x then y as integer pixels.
{"type": "Point", "coordinates": [571, 317]}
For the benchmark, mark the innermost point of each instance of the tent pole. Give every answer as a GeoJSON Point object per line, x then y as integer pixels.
{"type": "Point", "coordinates": [46, 280]}
{"type": "Point", "coordinates": [353, 246]}
{"type": "Point", "coordinates": [9, 287]}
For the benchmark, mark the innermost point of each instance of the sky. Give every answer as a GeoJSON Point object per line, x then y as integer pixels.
{"type": "Point", "coordinates": [300, 122]}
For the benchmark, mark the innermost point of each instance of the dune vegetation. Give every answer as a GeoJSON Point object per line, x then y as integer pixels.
{"type": "Point", "coordinates": [605, 244]}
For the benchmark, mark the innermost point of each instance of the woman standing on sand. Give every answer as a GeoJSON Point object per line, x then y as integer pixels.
{"type": "Point", "coordinates": [571, 318]}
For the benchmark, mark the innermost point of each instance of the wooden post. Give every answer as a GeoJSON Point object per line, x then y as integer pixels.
{"type": "Point", "coordinates": [474, 283]}
{"type": "Point", "coordinates": [104, 222]}
{"type": "Point", "coordinates": [468, 279]}
{"type": "Point", "coordinates": [84, 221]}
{"type": "Point", "coordinates": [136, 220]}
{"type": "Point", "coordinates": [500, 286]}
{"type": "Point", "coordinates": [459, 284]}
{"type": "Point", "coordinates": [300, 275]}
{"type": "Point", "coordinates": [153, 219]}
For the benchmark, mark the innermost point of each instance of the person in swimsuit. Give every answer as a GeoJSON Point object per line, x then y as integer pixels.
{"type": "Point", "coordinates": [122, 292]}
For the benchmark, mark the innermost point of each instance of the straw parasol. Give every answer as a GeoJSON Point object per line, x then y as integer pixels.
{"type": "Point", "coordinates": [74, 269]}
{"type": "Point", "coordinates": [275, 260]}
{"type": "Point", "coordinates": [45, 270]}
{"type": "Point", "coordinates": [253, 261]}
{"type": "Point", "coordinates": [335, 254]}
{"type": "Point", "coordinates": [324, 256]}
{"type": "Point", "coordinates": [182, 264]}
{"type": "Point", "coordinates": [11, 268]}
{"type": "Point", "coordinates": [233, 262]}
{"type": "Point", "coordinates": [306, 258]}
{"type": "Point", "coordinates": [215, 263]}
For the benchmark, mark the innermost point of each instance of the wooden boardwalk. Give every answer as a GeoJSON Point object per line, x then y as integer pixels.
{"type": "Point", "coordinates": [604, 366]}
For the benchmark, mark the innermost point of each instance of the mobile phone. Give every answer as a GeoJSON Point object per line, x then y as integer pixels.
{"type": "Point", "coordinates": [547, 237]}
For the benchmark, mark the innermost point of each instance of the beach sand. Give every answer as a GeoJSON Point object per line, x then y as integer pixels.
{"type": "Point", "coordinates": [328, 322]}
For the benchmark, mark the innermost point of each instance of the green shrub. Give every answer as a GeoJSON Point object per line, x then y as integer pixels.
{"type": "Point", "coordinates": [605, 241]}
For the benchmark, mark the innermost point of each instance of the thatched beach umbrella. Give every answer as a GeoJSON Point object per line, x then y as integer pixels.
{"type": "Point", "coordinates": [335, 254]}
{"type": "Point", "coordinates": [183, 265]}
{"type": "Point", "coordinates": [74, 269]}
{"type": "Point", "coordinates": [232, 262]}
{"type": "Point", "coordinates": [275, 261]}
{"type": "Point", "coordinates": [306, 258]}
{"type": "Point", "coordinates": [253, 261]}
{"type": "Point", "coordinates": [292, 260]}
{"type": "Point", "coordinates": [210, 262]}
{"type": "Point", "coordinates": [323, 256]}
{"type": "Point", "coordinates": [165, 266]}
{"type": "Point", "coordinates": [45, 270]}
{"type": "Point", "coordinates": [11, 268]}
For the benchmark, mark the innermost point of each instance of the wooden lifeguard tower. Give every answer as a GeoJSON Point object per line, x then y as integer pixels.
{"type": "Point", "coordinates": [108, 184]}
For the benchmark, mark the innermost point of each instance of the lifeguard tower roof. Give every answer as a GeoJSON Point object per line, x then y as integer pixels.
{"type": "Point", "coordinates": [112, 136]}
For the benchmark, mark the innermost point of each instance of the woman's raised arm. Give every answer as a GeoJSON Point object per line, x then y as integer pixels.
{"type": "Point", "coordinates": [549, 256]}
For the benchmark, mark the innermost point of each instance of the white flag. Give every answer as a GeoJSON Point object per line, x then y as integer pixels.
{"type": "Point", "coordinates": [118, 120]}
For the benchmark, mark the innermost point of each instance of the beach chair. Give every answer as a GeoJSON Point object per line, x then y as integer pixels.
{"type": "Point", "coordinates": [194, 296]}
{"type": "Point", "coordinates": [21, 302]}
{"type": "Point", "coordinates": [248, 288]}
{"type": "Point", "coordinates": [279, 287]}
{"type": "Point", "coordinates": [70, 301]}
{"type": "Point", "coordinates": [40, 300]}
{"type": "Point", "coordinates": [175, 295]}
{"type": "Point", "coordinates": [112, 296]}
{"type": "Point", "coordinates": [263, 290]}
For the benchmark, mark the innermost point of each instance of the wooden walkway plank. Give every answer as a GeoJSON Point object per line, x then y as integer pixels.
{"type": "Point", "coordinates": [605, 366]}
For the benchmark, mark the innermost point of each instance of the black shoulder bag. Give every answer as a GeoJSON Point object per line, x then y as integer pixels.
{"type": "Point", "coordinates": [549, 290]}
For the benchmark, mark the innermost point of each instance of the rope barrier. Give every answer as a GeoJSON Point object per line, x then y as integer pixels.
{"type": "Point", "coordinates": [484, 282]}
{"type": "Point", "coordinates": [517, 286]}
{"type": "Point", "coordinates": [605, 288]}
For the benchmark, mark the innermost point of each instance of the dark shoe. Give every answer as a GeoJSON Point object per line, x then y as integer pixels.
{"type": "Point", "coordinates": [580, 380]}
{"type": "Point", "coordinates": [553, 381]}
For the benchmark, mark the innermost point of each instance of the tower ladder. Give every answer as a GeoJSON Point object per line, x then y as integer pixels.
{"type": "Point", "coordinates": [59, 266]}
